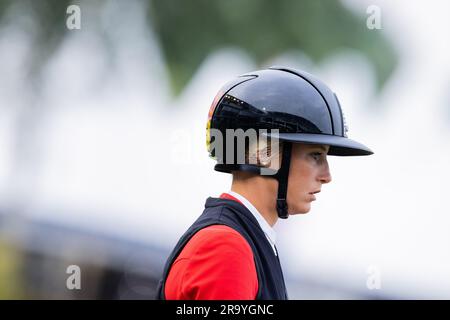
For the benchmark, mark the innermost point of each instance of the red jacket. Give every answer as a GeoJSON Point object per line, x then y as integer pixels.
{"type": "Point", "coordinates": [216, 264]}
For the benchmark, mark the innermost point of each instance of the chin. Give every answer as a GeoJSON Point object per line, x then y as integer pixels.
{"type": "Point", "coordinates": [300, 209]}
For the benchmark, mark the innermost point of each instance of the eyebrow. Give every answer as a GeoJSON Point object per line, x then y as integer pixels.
{"type": "Point", "coordinates": [321, 147]}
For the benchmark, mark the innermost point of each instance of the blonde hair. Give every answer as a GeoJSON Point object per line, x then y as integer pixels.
{"type": "Point", "coordinates": [264, 153]}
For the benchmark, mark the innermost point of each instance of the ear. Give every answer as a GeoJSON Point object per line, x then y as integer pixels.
{"type": "Point", "coordinates": [269, 153]}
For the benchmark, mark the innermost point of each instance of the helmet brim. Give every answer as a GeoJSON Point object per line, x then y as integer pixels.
{"type": "Point", "coordinates": [339, 146]}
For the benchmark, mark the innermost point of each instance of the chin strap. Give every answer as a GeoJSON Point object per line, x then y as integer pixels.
{"type": "Point", "coordinates": [282, 177]}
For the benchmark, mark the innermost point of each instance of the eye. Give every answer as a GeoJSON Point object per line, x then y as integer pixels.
{"type": "Point", "coordinates": [317, 155]}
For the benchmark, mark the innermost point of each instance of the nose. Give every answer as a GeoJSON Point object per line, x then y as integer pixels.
{"type": "Point", "coordinates": [325, 176]}
{"type": "Point", "coordinates": [326, 179]}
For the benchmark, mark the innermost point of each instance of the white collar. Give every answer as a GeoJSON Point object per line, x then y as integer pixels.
{"type": "Point", "coordinates": [265, 226]}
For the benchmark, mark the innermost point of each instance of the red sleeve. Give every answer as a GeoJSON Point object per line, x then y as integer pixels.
{"type": "Point", "coordinates": [216, 264]}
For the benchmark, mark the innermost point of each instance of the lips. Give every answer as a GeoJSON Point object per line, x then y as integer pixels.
{"type": "Point", "coordinates": [313, 197]}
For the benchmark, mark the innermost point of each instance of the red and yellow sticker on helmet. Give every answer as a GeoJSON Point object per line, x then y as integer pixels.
{"type": "Point", "coordinates": [212, 108]}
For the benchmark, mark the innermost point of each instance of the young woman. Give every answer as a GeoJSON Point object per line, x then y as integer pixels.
{"type": "Point", "coordinates": [288, 121]}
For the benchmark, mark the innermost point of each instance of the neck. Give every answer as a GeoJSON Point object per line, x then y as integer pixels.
{"type": "Point", "coordinates": [260, 191]}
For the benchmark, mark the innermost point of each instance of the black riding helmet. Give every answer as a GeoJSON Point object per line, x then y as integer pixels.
{"type": "Point", "coordinates": [299, 106]}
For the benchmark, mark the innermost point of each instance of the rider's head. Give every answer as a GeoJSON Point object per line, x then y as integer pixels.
{"type": "Point", "coordinates": [273, 129]}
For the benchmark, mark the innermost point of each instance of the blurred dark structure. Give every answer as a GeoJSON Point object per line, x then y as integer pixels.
{"type": "Point", "coordinates": [111, 268]}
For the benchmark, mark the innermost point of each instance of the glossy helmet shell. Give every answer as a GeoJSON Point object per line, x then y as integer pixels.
{"type": "Point", "coordinates": [300, 106]}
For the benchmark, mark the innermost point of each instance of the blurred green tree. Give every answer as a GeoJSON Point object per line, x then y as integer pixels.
{"type": "Point", "coordinates": [188, 31]}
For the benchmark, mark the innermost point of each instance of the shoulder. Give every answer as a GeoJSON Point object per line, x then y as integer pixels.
{"type": "Point", "coordinates": [216, 263]}
{"type": "Point", "coordinates": [217, 238]}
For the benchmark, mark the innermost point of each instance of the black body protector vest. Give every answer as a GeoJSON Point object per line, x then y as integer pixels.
{"type": "Point", "coordinates": [228, 212]}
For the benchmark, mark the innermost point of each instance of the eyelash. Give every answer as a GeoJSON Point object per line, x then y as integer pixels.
{"type": "Point", "coordinates": [319, 154]}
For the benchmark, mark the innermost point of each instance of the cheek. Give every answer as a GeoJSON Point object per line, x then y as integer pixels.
{"type": "Point", "coordinates": [297, 190]}
{"type": "Point", "coordinates": [301, 182]}
{"type": "Point", "coordinates": [296, 187]}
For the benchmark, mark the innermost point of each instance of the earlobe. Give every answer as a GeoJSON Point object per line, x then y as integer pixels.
{"type": "Point", "coordinates": [264, 162]}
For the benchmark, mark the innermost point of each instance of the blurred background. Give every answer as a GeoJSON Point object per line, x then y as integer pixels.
{"type": "Point", "coordinates": [103, 162]}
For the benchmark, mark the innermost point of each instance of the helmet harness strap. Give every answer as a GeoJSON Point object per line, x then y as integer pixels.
{"type": "Point", "coordinates": [282, 177]}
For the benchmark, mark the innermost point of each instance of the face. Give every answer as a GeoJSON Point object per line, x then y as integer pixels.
{"type": "Point", "coordinates": [308, 172]}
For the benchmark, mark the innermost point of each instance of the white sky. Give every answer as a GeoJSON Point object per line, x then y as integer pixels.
{"type": "Point", "coordinates": [111, 149]}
